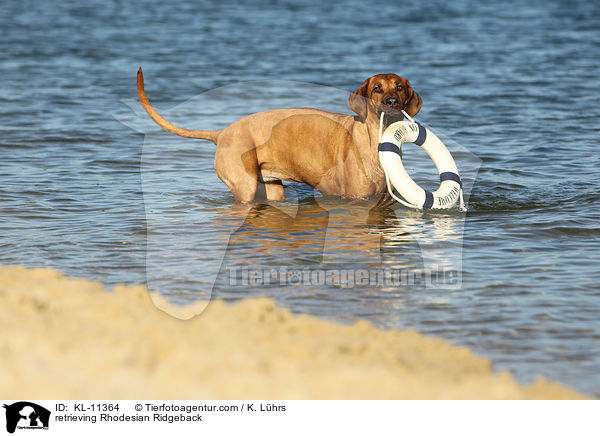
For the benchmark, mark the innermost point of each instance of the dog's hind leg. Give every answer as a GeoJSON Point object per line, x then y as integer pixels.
{"type": "Point", "coordinates": [239, 171]}
{"type": "Point", "coordinates": [269, 189]}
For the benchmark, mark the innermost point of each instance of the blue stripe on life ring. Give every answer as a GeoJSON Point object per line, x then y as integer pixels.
{"type": "Point", "coordinates": [428, 200]}
{"type": "Point", "coordinates": [388, 146]}
{"type": "Point", "coordinates": [448, 175]}
{"type": "Point", "coordinates": [422, 135]}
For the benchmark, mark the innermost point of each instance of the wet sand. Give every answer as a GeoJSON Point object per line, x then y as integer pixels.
{"type": "Point", "coordinates": [65, 338]}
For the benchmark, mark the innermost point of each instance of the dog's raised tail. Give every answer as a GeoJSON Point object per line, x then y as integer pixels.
{"type": "Point", "coordinates": [211, 135]}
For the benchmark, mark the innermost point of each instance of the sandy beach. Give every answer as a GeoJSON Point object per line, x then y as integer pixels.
{"type": "Point", "coordinates": [66, 338]}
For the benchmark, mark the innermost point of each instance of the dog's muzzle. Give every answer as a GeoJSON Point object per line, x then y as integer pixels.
{"type": "Point", "coordinates": [391, 107]}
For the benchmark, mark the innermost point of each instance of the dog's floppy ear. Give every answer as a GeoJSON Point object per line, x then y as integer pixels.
{"type": "Point", "coordinates": [414, 103]}
{"type": "Point", "coordinates": [358, 100]}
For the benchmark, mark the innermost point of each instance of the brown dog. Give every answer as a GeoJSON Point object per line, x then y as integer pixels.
{"type": "Point", "coordinates": [334, 153]}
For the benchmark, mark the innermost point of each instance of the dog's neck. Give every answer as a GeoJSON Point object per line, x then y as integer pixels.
{"type": "Point", "coordinates": [366, 137]}
{"type": "Point", "coordinates": [373, 124]}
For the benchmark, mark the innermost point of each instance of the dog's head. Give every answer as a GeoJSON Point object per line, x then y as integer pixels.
{"type": "Point", "coordinates": [385, 93]}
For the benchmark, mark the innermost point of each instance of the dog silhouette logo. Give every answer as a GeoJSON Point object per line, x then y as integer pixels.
{"type": "Point", "coordinates": [26, 415]}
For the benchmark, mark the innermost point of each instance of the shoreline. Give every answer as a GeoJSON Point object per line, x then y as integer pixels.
{"type": "Point", "coordinates": [69, 338]}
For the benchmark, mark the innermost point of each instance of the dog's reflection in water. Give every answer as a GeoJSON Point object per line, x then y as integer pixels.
{"type": "Point", "coordinates": [316, 234]}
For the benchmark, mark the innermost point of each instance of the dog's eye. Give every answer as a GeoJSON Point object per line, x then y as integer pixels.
{"type": "Point", "coordinates": [377, 90]}
{"type": "Point", "coordinates": [400, 88]}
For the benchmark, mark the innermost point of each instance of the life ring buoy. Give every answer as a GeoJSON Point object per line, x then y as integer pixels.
{"type": "Point", "coordinates": [449, 192]}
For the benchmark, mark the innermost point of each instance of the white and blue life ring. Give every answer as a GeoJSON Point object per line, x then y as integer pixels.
{"type": "Point", "coordinates": [390, 156]}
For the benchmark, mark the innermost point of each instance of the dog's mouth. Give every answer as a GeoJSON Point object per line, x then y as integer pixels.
{"type": "Point", "coordinates": [392, 113]}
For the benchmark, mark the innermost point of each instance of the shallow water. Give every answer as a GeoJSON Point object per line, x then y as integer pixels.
{"type": "Point", "coordinates": [513, 89]}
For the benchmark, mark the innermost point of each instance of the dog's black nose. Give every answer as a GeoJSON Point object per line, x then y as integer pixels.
{"type": "Point", "coordinates": [391, 101]}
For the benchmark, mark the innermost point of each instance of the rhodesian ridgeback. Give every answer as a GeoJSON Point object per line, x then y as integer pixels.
{"type": "Point", "coordinates": [334, 153]}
